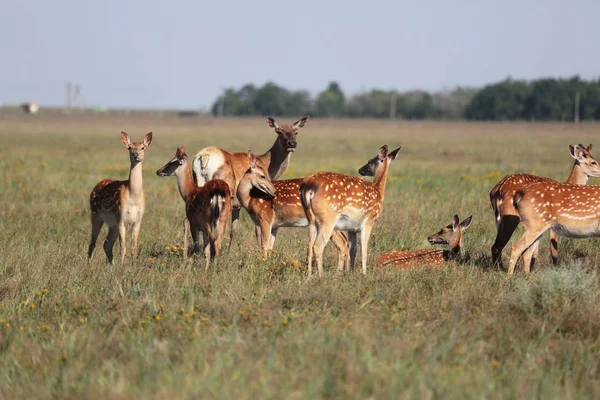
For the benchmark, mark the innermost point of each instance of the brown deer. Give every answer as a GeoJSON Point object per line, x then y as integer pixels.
{"type": "Point", "coordinates": [207, 208]}
{"type": "Point", "coordinates": [271, 213]}
{"type": "Point", "coordinates": [120, 204]}
{"type": "Point", "coordinates": [213, 162]}
{"type": "Point", "coordinates": [501, 198]}
{"type": "Point", "coordinates": [336, 201]}
{"type": "Point", "coordinates": [567, 209]}
{"type": "Point", "coordinates": [450, 235]}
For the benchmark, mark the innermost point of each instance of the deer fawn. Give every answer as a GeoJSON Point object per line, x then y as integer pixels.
{"type": "Point", "coordinates": [270, 213]}
{"type": "Point", "coordinates": [569, 210]}
{"type": "Point", "coordinates": [450, 235]}
{"type": "Point", "coordinates": [207, 208]}
{"type": "Point", "coordinates": [120, 204]}
{"type": "Point", "coordinates": [335, 201]}
{"type": "Point", "coordinates": [501, 198]}
{"type": "Point", "coordinates": [213, 162]}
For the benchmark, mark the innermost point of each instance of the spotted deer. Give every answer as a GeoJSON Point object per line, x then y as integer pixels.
{"type": "Point", "coordinates": [120, 204]}
{"type": "Point", "coordinates": [347, 203]}
{"type": "Point", "coordinates": [450, 235]}
{"type": "Point", "coordinates": [285, 210]}
{"type": "Point", "coordinates": [501, 198]}
{"type": "Point", "coordinates": [207, 207]}
{"type": "Point", "coordinates": [567, 209]}
{"type": "Point", "coordinates": [213, 162]}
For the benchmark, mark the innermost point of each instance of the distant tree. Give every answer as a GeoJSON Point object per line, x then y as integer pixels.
{"type": "Point", "coordinates": [501, 101]}
{"type": "Point", "coordinates": [331, 102]}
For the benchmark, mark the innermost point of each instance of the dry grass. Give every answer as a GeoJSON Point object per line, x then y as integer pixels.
{"type": "Point", "coordinates": [254, 327]}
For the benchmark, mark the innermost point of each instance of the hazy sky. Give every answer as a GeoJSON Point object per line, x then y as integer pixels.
{"type": "Point", "coordinates": [178, 54]}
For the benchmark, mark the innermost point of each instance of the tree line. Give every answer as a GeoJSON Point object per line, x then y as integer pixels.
{"type": "Point", "coordinates": [542, 99]}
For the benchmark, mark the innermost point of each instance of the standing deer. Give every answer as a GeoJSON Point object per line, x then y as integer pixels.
{"type": "Point", "coordinates": [450, 235]}
{"type": "Point", "coordinates": [285, 210]}
{"type": "Point", "coordinates": [501, 198]}
{"type": "Point", "coordinates": [213, 162]}
{"type": "Point", "coordinates": [336, 201]}
{"type": "Point", "coordinates": [207, 208]}
{"type": "Point", "coordinates": [569, 210]}
{"type": "Point", "coordinates": [120, 204]}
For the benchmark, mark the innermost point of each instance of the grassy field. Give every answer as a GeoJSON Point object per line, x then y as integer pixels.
{"type": "Point", "coordinates": [256, 328]}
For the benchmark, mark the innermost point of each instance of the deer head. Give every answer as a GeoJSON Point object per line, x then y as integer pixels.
{"type": "Point", "coordinates": [287, 133]}
{"type": "Point", "coordinates": [136, 149]}
{"type": "Point", "coordinates": [589, 165]}
{"type": "Point", "coordinates": [371, 167]}
{"type": "Point", "coordinates": [256, 177]}
{"type": "Point", "coordinates": [451, 234]}
{"type": "Point", "coordinates": [170, 168]}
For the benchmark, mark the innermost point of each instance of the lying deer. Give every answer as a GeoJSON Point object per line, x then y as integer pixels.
{"type": "Point", "coordinates": [450, 235]}
{"type": "Point", "coordinates": [213, 162]}
{"type": "Point", "coordinates": [271, 213]}
{"type": "Point", "coordinates": [567, 209]}
{"type": "Point", "coordinates": [347, 203]}
{"type": "Point", "coordinates": [120, 204]}
{"type": "Point", "coordinates": [207, 208]}
{"type": "Point", "coordinates": [501, 198]}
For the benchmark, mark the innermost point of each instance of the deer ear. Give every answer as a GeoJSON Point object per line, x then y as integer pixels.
{"type": "Point", "coordinates": [392, 155]}
{"type": "Point", "coordinates": [466, 223]}
{"type": "Point", "coordinates": [576, 152]}
{"type": "Point", "coordinates": [383, 151]}
{"type": "Point", "coordinates": [300, 123]}
{"type": "Point", "coordinates": [590, 147]}
{"type": "Point", "coordinates": [125, 139]}
{"type": "Point", "coordinates": [180, 152]}
{"type": "Point", "coordinates": [455, 222]}
{"type": "Point", "coordinates": [272, 123]}
{"type": "Point", "coordinates": [148, 139]}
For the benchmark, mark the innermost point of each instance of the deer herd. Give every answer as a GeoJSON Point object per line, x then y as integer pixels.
{"type": "Point", "coordinates": [216, 185]}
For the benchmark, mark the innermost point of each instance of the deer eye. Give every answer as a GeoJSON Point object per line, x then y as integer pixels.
{"type": "Point", "coordinates": [594, 163]}
{"type": "Point", "coordinates": [263, 177]}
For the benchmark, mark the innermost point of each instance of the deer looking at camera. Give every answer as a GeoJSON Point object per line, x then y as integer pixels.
{"type": "Point", "coordinates": [270, 213]}
{"type": "Point", "coordinates": [567, 209]}
{"type": "Point", "coordinates": [450, 235]}
{"type": "Point", "coordinates": [214, 162]}
{"type": "Point", "coordinates": [207, 208]}
{"type": "Point", "coordinates": [336, 201]}
{"type": "Point", "coordinates": [501, 198]}
{"type": "Point", "coordinates": [120, 204]}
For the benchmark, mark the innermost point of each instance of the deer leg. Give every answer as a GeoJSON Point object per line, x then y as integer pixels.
{"type": "Point", "coordinates": [273, 236]}
{"type": "Point", "coordinates": [122, 241]}
{"type": "Point", "coordinates": [96, 227]}
{"type": "Point", "coordinates": [312, 236]}
{"type": "Point", "coordinates": [135, 232]}
{"type": "Point", "coordinates": [195, 237]}
{"type": "Point", "coordinates": [258, 235]}
{"type": "Point", "coordinates": [554, 246]}
{"type": "Point", "coordinates": [235, 219]}
{"type": "Point", "coordinates": [506, 228]}
{"type": "Point", "coordinates": [323, 235]}
{"type": "Point", "coordinates": [186, 234]}
{"type": "Point", "coordinates": [528, 238]}
{"type": "Point", "coordinates": [365, 234]}
{"type": "Point", "coordinates": [352, 241]}
{"type": "Point", "coordinates": [340, 241]}
{"type": "Point", "coordinates": [529, 256]}
{"type": "Point", "coordinates": [207, 249]}
{"type": "Point", "coordinates": [265, 236]}
{"type": "Point", "coordinates": [113, 232]}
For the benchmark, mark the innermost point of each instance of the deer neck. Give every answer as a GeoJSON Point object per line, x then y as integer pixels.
{"type": "Point", "coordinates": [577, 176]}
{"type": "Point", "coordinates": [185, 180]}
{"type": "Point", "coordinates": [277, 159]}
{"type": "Point", "coordinates": [243, 193]}
{"type": "Point", "coordinates": [381, 178]}
{"type": "Point", "coordinates": [455, 246]}
{"type": "Point", "coordinates": [135, 179]}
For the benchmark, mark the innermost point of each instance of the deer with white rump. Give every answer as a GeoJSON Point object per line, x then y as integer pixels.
{"type": "Point", "coordinates": [120, 204]}
{"type": "Point", "coordinates": [207, 208]}
{"type": "Point", "coordinates": [269, 213]}
{"type": "Point", "coordinates": [348, 203]}
{"type": "Point", "coordinates": [214, 162]}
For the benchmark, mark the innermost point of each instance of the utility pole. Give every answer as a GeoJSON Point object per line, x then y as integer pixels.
{"type": "Point", "coordinates": [576, 111]}
{"type": "Point", "coordinates": [221, 103]}
{"type": "Point", "coordinates": [68, 95]}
